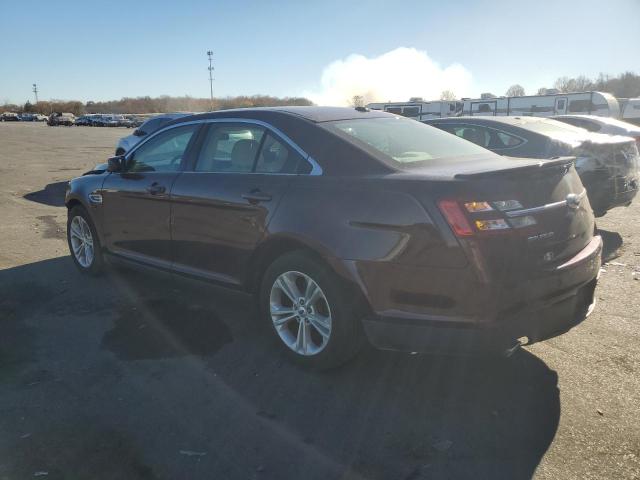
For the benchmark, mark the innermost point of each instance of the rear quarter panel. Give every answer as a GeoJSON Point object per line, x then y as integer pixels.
{"type": "Point", "coordinates": [363, 219]}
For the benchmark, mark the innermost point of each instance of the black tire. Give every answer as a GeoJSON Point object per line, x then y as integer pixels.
{"type": "Point", "coordinates": [96, 267]}
{"type": "Point", "coordinates": [346, 337]}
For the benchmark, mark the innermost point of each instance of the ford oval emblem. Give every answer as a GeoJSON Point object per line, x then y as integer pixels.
{"type": "Point", "coordinates": [573, 201]}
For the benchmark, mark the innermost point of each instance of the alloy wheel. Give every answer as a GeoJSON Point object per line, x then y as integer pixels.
{"type": "Point", "coordinates": [300, 313]}
{"type": "Point", "coordinates": [81, 241]}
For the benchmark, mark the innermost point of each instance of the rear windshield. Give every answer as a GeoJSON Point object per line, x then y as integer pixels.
{"type": "Point", "coordinates": [403, 141]}
{"type": "Point", "coordinates": [547, 127]}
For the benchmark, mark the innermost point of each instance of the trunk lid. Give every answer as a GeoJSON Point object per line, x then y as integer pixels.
{"type": "Point", "coordinates": [541, 203]}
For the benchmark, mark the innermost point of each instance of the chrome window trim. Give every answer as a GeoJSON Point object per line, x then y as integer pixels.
{"type": "Point", "coordinates": [316, 169]}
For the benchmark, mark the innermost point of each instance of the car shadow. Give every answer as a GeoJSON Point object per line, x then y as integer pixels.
{"type": "Point", "coordinates": [52, 194]}
{"type": "Point", "coordinates": [612, 241]}
{"type": "Point", "coordinates": [383, 415]}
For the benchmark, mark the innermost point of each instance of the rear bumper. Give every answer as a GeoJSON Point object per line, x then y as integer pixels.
{"type": "Point", "coordinates": [538, 320]}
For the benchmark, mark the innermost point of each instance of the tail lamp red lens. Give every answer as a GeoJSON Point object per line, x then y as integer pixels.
{"type": "Point", "coordinates": [455, 217]}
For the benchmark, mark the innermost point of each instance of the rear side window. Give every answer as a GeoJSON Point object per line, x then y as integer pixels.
{"type": "Point", "coordinates": [277, 157]}
{"type": "Point", "coordinates": [505, 140]}
{"type": "Point", "coordinates": [230, 148]}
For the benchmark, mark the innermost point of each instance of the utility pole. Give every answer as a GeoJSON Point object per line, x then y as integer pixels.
{"type": "Point", "coordinates": [210, 55]}
{"type": "Point", "coordinates": [35, 91]}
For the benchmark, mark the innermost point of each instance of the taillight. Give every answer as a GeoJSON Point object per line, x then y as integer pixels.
{"type": "Point", "coordinates": [455, 217]}
{"type": "Point", "coordinates": [469, 218]}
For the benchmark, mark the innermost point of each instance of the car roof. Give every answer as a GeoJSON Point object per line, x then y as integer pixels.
{"type": "Point", "coordinates": [311, 113]}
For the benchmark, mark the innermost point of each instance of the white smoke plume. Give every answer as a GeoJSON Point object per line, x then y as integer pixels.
{"type": "Point", "coordinates": [393, 76]}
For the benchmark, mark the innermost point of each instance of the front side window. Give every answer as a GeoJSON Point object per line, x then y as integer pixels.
{"type": "Point", "coordinates": [162, 153]}
{"type": "Point", "coordinates": [403, 141]}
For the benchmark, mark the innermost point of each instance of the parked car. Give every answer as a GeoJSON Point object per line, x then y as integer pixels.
{"type": "Point", "coordinates": [10, 117]}
{"type": "Point", "coordinates": [105, 121]}
{"type": "Point", "coordinates": [347, 224]}
{"type": "Point", "coordinates": [146, 128]}
{"type": "Point", "coordinates": [133, 121]}
{"type": "Point", "coordinates": [608, 165]}
{"type": "Point", "coordinates": [608, 125]}
{"type": "Point", "coordinates": [27, 117]}
{"type": "Point", "coordinates": [40, 117]}
{"type": "Point", "coordinates": [83, 121]}
{"type": "Point", "coordinates": [58, 118]}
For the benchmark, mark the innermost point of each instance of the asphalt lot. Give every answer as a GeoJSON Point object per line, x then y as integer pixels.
{"type": "Point", "coordinates": [136, 376]}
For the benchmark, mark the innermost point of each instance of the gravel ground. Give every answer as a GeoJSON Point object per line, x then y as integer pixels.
{"type": "Point", "coordinates": [137, 376]}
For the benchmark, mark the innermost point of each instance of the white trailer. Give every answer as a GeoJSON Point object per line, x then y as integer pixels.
{"type": "Point", "coordinates": [590, 103]}
{"type": "Point", "coordinates": [630, 110]}
{"type": "Point", "coordinates": [421, 110]}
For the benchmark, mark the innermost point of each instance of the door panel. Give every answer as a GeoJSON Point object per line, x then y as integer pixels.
{"type": "Point", "coordinates": [137, 213]}
{"type": "Point", "coordinates": [218, 220]}
{"type": "Point", "coordinates": [136, 203]}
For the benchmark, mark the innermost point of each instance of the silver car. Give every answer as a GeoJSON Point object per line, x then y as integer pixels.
{"type": "Point", "coordinates": [149, 126]}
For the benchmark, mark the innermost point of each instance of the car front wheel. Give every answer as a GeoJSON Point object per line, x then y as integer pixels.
{"type": "Point", "coordinates": [309, 310]}
{"type": "Point", "coordinates": [83, 241]}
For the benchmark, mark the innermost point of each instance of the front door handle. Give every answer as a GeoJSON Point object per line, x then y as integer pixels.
{"type": "Point", "coordinates": [156, 189]}
{"type": "Point", "coordinates": [256, 196]}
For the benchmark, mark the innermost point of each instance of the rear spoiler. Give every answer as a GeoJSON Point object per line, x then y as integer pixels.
{"type": "Point", "coordinates": [531, 167]}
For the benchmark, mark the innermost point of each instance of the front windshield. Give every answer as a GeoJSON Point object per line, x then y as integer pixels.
{"type": "Point", "coordinates": [404, 141]}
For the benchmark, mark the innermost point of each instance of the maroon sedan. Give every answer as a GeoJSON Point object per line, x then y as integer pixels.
{"type": "Point", "coordinates": [348, 225]}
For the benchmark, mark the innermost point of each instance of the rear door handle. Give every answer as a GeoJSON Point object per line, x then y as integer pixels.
{"type": "Point", "coordinates": [156, 189]}
{"type": "Point", "coordinates": [256, 196]}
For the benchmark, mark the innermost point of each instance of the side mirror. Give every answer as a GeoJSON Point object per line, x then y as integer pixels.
{"type": "Point", "coordinates": [116, 164]}
{"type": "Point", "coordinates": [139, 133]}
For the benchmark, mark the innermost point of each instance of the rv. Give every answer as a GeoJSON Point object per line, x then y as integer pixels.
{"type": "Point", "coordinates": [421, 110]}
{"type": "Point", "coordinates": [591, 103]}
{"type": "Point", "coordinates": [630, 110]}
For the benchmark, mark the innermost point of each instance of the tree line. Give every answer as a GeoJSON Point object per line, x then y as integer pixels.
{"type": "Point", "coordinates": [160, 104]}
{"type": "Point", "coordinates": [625, 85]}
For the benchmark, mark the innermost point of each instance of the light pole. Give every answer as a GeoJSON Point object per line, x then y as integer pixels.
{"type": "Point", "coordinates": [35, 91]}
{"type": "Point", "coordinates": [210, 55]}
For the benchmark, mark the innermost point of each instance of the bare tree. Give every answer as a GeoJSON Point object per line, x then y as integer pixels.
{"type": "Point", "coordinates": [542, 91]}
{"type": "Point", "coordinates": [447, 95]}
{"type": "Point", "coordinates": [357, 101]}
{"type": "Point", "coordinates": [565, 84]}
{"type": "Point", "coordinates": [515, 91]}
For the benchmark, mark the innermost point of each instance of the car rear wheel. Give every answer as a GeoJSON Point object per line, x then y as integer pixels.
{"type": "Point", "coordinates": [83, 241]}
{"type": "Point", "coordinates": [314, 320]}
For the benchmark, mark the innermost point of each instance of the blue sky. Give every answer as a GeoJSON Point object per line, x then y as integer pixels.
{"type": "Point", "coordinates": [106, 50]}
